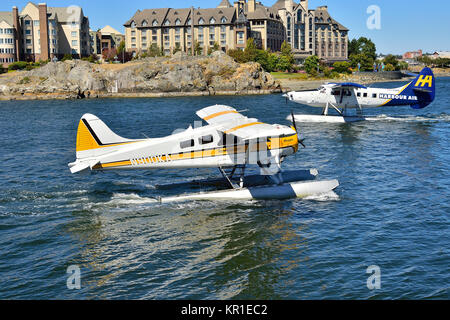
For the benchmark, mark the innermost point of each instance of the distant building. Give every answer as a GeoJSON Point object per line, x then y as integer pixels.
{"type": "Point", "coordinates": [7, 39]}
{"type": "Point", "coordinates": [310, 32]}
{"type": "Point", "coordinates": [105, 38]}
{"type": "Point", "coordinates": [412, 54]}
{"type": "Point", "coordinates": [39, 32]}
{"type": "Point", "coordinates": [313, 32]}
{"type": "Point", "coordinates": [441, 54]}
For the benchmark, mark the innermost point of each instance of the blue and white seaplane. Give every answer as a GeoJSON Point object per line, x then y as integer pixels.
{"type": "Point", "coordinates": [230, 142]}
{"type": "Point", "coordinates": [341, 97]}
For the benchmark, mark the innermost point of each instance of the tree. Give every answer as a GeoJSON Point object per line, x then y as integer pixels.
{"type": "Point", "coordinates": [342, 67]}
{"type": "Point", "coordinates": [363, 51]}
{"type": "Point", "coordinates": [109, 54]}
{"type": "Point", "coordinates": [237, 55]}
{"type": "Point", "coordinates": [197, 49]}
{"type": "Point", "coordinates": [250, 51]}
{"type": "Point", "coordinates": [392, 60]}
{"type": "Point", "coordinates": [283, 64]}
{"type": "Point", "coordinates": [177, 48]}
{"type": "Point", "coordinates": [121, 47]}
{"type": "Point", "coordinates": [216, 47]}
{"type": "Point", "coordinates": [365, 61]}
{"type": "Point", "coordinates": [311, 65]}
{"type": "Point", "coordinates": [286, 51]}
{"type": "Point", "coordinates": [154, 51]}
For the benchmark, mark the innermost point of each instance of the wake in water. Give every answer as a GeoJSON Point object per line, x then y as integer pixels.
{"type": "Point", "coordinates": [443, 117]}
{"type": "Point", "coordinates": [324, 197]}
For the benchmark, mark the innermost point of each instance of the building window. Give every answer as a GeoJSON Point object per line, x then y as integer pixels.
{"type": "Point", "coordinates": [74, 42]}
{"type": "Point", "coordinates": [133, 24]}
{"type": "Point", "coordinates": [167, 22]}
{"type": "Point", "coordinates": [212, 21]}
{"type": "Point", "coordinates": [144, 23]}
{"type": "Point", "coordinates": [27, 22]}
{"type": "Point", "coordinates": [155, 23]}
{"type": "Point", "coordinates": [74, 34]}
{"type": "Point", "coordinates": [201, 21]}
{"type": "Point", "coordinates": [36, 23]}
{"type": "Point", "coordinates": [177, 22]}
{"type": "Point", "coordinates": [28, 32]}
{"type": "Point", "coordinates": [224, 20]}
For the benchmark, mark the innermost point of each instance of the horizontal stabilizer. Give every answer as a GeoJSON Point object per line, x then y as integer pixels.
{"type": "Point", "coordinates": [79, 167]}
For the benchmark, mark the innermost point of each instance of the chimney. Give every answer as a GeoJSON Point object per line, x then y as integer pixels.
{"type": "Point", "coordinates": [251, 5]}
{"type": "Point", "coordinates": [18, 34]}
{"type": "Point", "coordinates": [43, 25]}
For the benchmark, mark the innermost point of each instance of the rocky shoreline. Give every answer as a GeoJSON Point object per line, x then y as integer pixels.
{"type": "Point", "coordinates": [180, 75]}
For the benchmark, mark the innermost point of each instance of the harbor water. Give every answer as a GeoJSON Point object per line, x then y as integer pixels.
{"type": "Point", "coordinates": [391, 209]}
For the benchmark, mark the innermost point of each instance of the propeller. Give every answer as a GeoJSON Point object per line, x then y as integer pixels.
{"type": "Point", "coordinates": [296, 130]}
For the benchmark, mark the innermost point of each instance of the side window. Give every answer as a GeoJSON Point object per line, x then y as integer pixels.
{"type": "Point", "coordinates": [349, 93]}
{"type": "Point", "coordinates": [206, 139]}
{"type": "Point", "coordinates": [359, 94]}
{"type": "Point", "coordinates": [365, 95]}
{"type": "Point", "coordinates": [335, 93]}
{"type": "Point", "coordinates": [187, 144]}
{"type": "Point", "coordinates": [374, 95]}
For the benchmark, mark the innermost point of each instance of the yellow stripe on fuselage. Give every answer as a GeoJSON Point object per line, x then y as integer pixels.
{"type": "Point", "coordinates": [272, 144]}
{"type": "Point", "coordinates": [242, 126]}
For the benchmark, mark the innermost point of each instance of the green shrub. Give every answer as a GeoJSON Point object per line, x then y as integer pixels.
{"type": "Point", "coordinates": [19, 65]}
{"type": "Point", "coordinates": [67, 57]}
{"type": "Point", "coordinates": [342, 67]}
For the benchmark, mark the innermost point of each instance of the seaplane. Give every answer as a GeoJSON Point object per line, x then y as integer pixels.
{"type": "Point", "coordinates": [229, 141]}
{"type": "Point", "coordinates": [342, 97]}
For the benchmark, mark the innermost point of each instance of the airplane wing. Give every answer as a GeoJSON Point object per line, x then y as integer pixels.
{"type": "Point", "coordinates": [220, 113]}
{"type": "Point", "coordinates": [347, 85]}
{"type": "Point", "coordinates": [229, 121]}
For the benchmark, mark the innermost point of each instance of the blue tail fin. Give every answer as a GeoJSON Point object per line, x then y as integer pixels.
{"type": "Point", "coordinates": [424, 88]}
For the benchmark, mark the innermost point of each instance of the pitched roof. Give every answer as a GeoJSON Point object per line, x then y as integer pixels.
{"type": "Point", "coordinates": [323, 17]}
{"type": "Point", "coordinates": [110, 30]}
{"type": "Point", "coordinates": [7, 17]}
{"type": "Point", "coordinates": [224, 4]}
{"type": "Point", "coordinates": [177, 14]}
{"type": "Point", "coordinates": [148, 15]}
{"type": "Point", "coordinates": [263, 12]}
{"type": "Point", "coordinates": [63, 14]}
{"type": "Point", "coordinates": [216, 13]}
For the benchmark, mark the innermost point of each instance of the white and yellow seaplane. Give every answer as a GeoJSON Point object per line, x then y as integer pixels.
{"type": "Point", "coordinates": [230, 142]}
{"type": "Point", "coordinates": [341, 97]}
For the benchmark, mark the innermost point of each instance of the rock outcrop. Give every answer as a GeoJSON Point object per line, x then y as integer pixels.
{"type": "Point", "coordinates": [178, 75]}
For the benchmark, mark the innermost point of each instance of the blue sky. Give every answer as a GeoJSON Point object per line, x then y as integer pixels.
{"type": "Point", "coordinates": [405, 24]}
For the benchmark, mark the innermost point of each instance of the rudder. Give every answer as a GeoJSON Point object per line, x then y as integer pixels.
{"type": "Point", "coordinates": [94, 138]}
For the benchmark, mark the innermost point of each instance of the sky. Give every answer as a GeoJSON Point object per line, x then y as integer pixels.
{"type": "Point", "coordinates": [405, 25]}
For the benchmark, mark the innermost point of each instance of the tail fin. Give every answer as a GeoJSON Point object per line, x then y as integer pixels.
{"type": "Point", "coordinates": [424, 88]}
{"type": "Point", "coordinates": [94, 138]}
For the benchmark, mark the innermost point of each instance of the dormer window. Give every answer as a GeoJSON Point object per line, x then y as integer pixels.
{"type": "Point", "coordinates": [201, 21]}
{"type": "Point", "coordinates": [155, 23]}
{"type": "Point", "coordinates": [224, 20]}
{"type": "Point", "coordinates": [144, 23]}
{"type": "Point", "coordinates": [189, 21]}
{"type": "Point", "coordinates": [167, 22]}
{"type": "Point", "coordinates": [177, 22]}
{"type": "Point", "coordinates": [212, 21]}
{"type": "Point", "coordinates": [133, 24]}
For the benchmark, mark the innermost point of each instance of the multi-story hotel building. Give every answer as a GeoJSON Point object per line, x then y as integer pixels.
{"type": "Point", "coordinates": [309, 32]}
{"type": "Point", "coordinates": [7, 39]}
{"type": "Point", "coordinates": [105, 38]}
{"type": "Point", "coordinates": [42, 33]}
